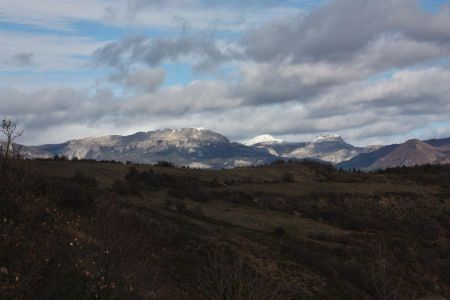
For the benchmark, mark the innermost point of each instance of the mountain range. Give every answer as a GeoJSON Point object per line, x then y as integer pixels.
{"type": "Point", "coordinates": [326, 147]}
{"type": "Point", "coordinates": [202, 148]}
{"type": "Point", "coordinates": [197, 148]}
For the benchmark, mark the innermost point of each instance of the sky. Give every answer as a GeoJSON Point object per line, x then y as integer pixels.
{"type": "Point", "coordinates": [375, 72]}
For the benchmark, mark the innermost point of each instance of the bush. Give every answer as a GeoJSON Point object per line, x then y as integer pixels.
{"type": "Point", "coordinates": [180, 206]}
{"type": "Point", "coordinates": [279, 231]}
{"type": "Point", "coordinates": [278, 162]}
{"type": "Point", "coordinates": [198, 194]}
{"type": "Point", "coordinates": [8, 207]}
{"type": "Point", "coordinates": [175, 205]}
{"type": "Point", "coordinates": [288, 177]}
{"type": "Point", "coordinates": [133, 174]}
{"type": "Point", "coordinates": [227, 274]}
{"type": "Point", "coordinates": [237, 197]}
{"type": "Point", "coordinates": [73, 195]}
{"type": "Point", "coordinates": [86, 180]}
{"type": "Point", "coordinates": [165, 164]}
{"type": "Point", "coordinates": [120, 187]}
{"type": "Point", "coordinates": [60, 158]}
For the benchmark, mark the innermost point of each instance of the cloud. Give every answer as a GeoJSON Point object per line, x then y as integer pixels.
{"type": "Point", "coordinates": [372, 71]}
{"type": "Point", "coordinates": [341, 28]}
{"type": "Point", "coordinates": [225, 16]}
{"type": "Point", "coordinates": [140, 81]}
{"type": "Point", "coordinates": [266, 83]}
{"type": "Point", "coordinates": [49, 52]}
{"type": "Point", "coordinates": [51, 14]}
{"type": "Point", "coordinates": [388, 110]}
{"type": "Point", "coordinates": [48, 111]}
{"type": "Point", "coordinates": [21, 59]}
{"type": "Point", "coordinates": [65, 15]}
{"type": "Point", "coordinates": [297, 58]}
{"type": "Point", "coordinates": [202, 48]}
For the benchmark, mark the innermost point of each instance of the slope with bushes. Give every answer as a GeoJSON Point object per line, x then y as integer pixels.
{"type": "Point", "coordinates": [80, 230]}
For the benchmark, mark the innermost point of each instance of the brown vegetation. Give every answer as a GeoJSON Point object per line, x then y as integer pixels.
{"type": "Point", "coordinates": [77, 230]}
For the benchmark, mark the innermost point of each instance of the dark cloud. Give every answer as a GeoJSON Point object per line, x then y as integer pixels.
{"type": "Point", "coordinates": [283, 82]}
{"type": "Point", "coordinates": [21, 59]}
{"type": "Point", "coordinates": [340, 29]}
{"type": "Point", "coordinates": [203, 48]}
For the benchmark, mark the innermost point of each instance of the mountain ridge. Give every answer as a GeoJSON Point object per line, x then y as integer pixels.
{"type": "Point", "coordinates": [186, 146]}
{"type": "Point", "coordinates": [203, 148]}
{"type": "Point", "coordinates": [328, 147]}
{"type": "Point", "coordinates": [410, 153]}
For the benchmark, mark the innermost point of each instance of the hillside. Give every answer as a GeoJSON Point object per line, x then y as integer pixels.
{"type": "Point", "coordinates": [285, 231]}
{"type": "Point", "coordinates": [411, 153]}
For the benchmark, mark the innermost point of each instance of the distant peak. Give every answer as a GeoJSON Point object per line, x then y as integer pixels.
{"type": "Point", "coordinates": [413, 141]}
{"type": "Point", "coordinates": [265, 138]}
{"type": "Point", "coordinates": [327, 137]}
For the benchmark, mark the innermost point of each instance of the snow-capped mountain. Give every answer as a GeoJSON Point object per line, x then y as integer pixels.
{"type": "Point", "coordinates": [263, 139]}
{"type": "Point", "coordinates": [327, 147]}
{"type": "Point", "coordinates": [327, 137]}
{"type": "Point", "coordinates": [188, 146]}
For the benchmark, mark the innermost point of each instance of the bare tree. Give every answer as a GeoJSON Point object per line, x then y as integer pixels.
{"type": "Point", "coordinates": [229, 276]}
{"type": "Point", "coordinates": [9, 149]}
{"type": "Point", "coordinates": [386, 275]}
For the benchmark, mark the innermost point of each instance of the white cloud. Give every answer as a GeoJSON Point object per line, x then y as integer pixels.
{"type": "Point", "coordinates": [55, 14]}
{"type": "Point", "coordinates": [50, 52]}
{"type": "Point", "coordinates": [378, 75]}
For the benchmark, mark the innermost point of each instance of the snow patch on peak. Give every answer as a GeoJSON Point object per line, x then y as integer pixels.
{"type": "Point", "coordinates": [265, 138]}
{"type": "Point", "coordinates": [327, 137]}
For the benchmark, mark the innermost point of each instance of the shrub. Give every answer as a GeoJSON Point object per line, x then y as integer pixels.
{"type": "Point", "coordinates": [278, 162]}
{"type": "Point", "coordinates": [133, 174]}
{"type": "Point", "coordinates": [279, 231]}
{"type": "Point", "coordinates": [237, 197]}
{"type": "Point", "coordinates": [175, 205]}
{"type": "Point", "coordinates": [226, 274]}
{"type": "Point", "coordinates": [73, 195]}
{"type": "Point", "coordinates": [165, 164]}
{"type": "Point", "coordinates": [86, 180]}
{"type": "Point", "coordinates": [8, 207]}
{"type": "Point", "coordinates": [180, 206]}
{"type": "Point", "coordinates": [288, 177]}
{"type": "Point", "coordinates": [60, 158]}
{"type": "Point", "coordinates": [120, 187]}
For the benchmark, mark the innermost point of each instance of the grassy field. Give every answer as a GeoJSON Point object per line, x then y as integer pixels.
{"type": "Point", "coordinates": [287, 231]}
